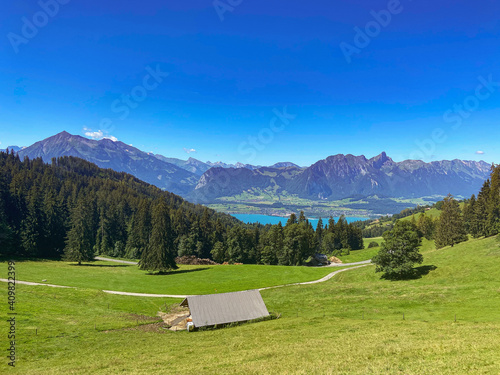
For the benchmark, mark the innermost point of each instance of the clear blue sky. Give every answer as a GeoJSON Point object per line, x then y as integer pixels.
{"type": "Point", "coordinates": [230, 71]}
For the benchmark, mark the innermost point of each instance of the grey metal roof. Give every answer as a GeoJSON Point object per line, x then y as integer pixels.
{"type": "Point", "coordinates": [225, 308]}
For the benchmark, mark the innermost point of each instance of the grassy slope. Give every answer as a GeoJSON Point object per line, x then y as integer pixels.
{"type": "Point", "coordinates": [186, 280]}
{"type": "Point", "coordinates": [433, 213]}
{"type": "Point", "coordinates": [322, 329]}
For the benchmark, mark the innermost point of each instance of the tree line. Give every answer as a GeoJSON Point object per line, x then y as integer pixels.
{"type": "Point", "coordinates": [71, 208]}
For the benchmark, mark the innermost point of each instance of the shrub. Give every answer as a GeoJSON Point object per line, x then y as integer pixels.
{"type": "Point", "coordinates": [373, 244]}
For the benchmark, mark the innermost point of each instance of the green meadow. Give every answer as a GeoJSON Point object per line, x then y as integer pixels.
{"type": "Point", "coordinates": [184, 281]}
{"type": "Point", "coordinates": [444, 321]}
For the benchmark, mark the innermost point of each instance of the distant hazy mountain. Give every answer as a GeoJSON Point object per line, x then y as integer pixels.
{"type": "Point", "coordinates": [15, 148]}
{"type": "Point", "coordinates": [192, 165]}
{"type": "Point", "coordinates": [342, 176]}
{"type": "Point", "coordinates": [117, 156]}
{"type": "Point", "coordinates": [285, 164]}
{"type": "Point", "coordinates": [221, 182]}
{"type": "Point", "coordinates": [198, 167]}
{"type": "Point", "coordinates": [220, 164]}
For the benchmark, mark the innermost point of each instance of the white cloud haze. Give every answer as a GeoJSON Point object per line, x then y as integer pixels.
{"type": "Point", "coordinates": [98, 135]}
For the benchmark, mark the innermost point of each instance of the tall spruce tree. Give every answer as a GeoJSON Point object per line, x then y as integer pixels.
{"type": "Point", "coordinates": [80, 241]}
{"type": "Point", "coordinates": [450, 226]}
{"type": "Point", "coordinates": [493, 219]}
{"type": "Point", "coordinates": [469, 207]}
{"type": "Point", "coordinates": [478, 227]}
{"type": "Point", "coordinates": [160, 252]}
{"type": "Point", "coordinates": [318, 235]}
{"type": "Point", "coordinates": [291, 220]}
{"type": "Point", "coordinates": [425, 226]}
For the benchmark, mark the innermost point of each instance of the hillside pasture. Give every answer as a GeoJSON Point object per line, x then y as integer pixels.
{"type": "Point", "coordinates": [444, 321]}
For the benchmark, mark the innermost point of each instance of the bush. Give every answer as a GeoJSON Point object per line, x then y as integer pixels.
{"type": "Point", "coordinates": [373, 244]}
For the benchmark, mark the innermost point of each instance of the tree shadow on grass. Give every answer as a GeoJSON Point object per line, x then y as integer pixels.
{"type": "Point", "coordinates": [415, 274]}
{"type": "Point", "coordinates": [102, 265]}
{"type": "Point", "coordinates": [176, 272]}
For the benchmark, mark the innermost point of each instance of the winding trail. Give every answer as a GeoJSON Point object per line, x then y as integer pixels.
{"type": "Point", "coordinates": [31, 283]}
{"type": "Point", "coordinates": [349, 264]}
{"type": "Point", "coordinates": [323, 279]}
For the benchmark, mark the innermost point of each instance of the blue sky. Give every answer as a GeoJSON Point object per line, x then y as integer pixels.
{"type": "Point", "coordinates": [258, 82]}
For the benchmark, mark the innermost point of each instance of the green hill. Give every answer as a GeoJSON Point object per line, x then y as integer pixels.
{"type": "Point", "coordinates": [351, 324]}
{"type": "Point", "coordinates": [433, 213]}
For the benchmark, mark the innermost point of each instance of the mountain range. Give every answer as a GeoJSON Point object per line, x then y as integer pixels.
{"type": "Point", "coordinates": [342, 176]}
{"type": "Point", "coordinates": [115, 155]}
{"type": "Point", "coordinates": [336, 177]}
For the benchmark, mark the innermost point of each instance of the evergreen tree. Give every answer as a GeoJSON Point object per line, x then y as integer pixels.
{"type": "Point", "coordinates": [31, 231]}
{"type": "Point", "coordinates": [6, 233]}
{"type": "Point", "coordinates": [160, 252]}
{"type": "Point", "coordinates": [290, 256]}
{"type": "Point", "coordinates": [219, 252]}
{"type": "Point", "coordinates": [291, 220]}
{"type": "Point", "coordinates": [478, 227]}
{"type": "Point", "coordinates": [450, 227]}
{"type": "Point", "coordinates": [468, 210]}
{"type": "Point", "coordinates": [425, 226]}
{"type": "Point", "coordinates": [318, 235]}
{"type": "Point", "coordinates": [273, 249]}
{"type": "Point", "coordinates": [80, 241]}
{"type": "Point", "coordinates": [399, 251]}
{"type": "Point", "coordinates": [493, 210]}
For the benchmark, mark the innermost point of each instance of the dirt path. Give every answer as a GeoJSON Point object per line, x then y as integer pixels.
{"type": "Point", "coordinates": [349, 264]}
{"type": "Point", "coordinates": [323, 279]}
{"type": "Point", "coordinates": [30, 283]}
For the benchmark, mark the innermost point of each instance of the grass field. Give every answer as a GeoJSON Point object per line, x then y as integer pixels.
{"type": "Point", "coordinates": [186, 280]}
{"type": "Point", "coordinates": [352, 324]}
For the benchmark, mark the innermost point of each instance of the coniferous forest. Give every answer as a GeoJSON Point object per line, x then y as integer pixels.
{"type": "Point", "coordinates": [72, 209]}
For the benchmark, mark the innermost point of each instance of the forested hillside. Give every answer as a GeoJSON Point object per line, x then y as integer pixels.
{"type": "Point", "coordinates": [71, 207]}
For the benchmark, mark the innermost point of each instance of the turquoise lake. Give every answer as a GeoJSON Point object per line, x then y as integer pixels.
{"type": "Point", "coordinates": [265, 219]}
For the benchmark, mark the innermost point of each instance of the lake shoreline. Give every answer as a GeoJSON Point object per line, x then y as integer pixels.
{"type": "Point", "coordinates": [275, 219]}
